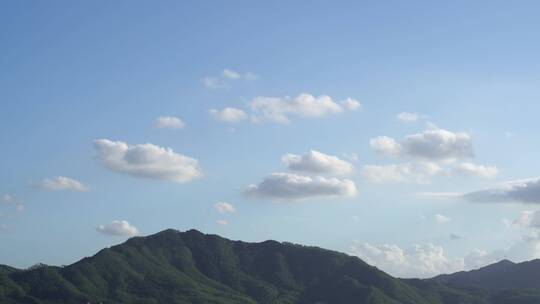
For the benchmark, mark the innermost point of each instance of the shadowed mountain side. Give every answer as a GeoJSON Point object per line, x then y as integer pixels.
{"type": "Point", "coordinates": [191, 267]}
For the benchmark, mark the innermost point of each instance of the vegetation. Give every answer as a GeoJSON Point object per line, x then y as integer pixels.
{"type": "Point", "coordinates": [191, 267]}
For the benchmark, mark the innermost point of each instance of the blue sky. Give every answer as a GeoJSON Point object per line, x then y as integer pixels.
{"type": "Point", "coordinates": [467, 74]}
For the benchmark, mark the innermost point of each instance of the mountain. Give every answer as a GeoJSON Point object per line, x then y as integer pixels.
{"type": "Point", "coordinates": [504, 279]}
{"type": "Point", "coordinates": [192, 267]}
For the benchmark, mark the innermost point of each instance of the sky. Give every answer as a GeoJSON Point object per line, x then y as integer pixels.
{"type": "Point", "coordinates": [402, 132]}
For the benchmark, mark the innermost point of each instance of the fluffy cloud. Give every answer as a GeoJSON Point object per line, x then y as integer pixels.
{"type": "Point", "coordinates": [278, 109]}
{"type": "Point", "coordinates": [287, 186]}
{"type": "Point", "coordinates": [230, 115]}
{"type": "Point", "coordinates": [416, 172]}
{"type": "Point", "coordinates": [169, 122]}
{"type": "Point", "coordinates": [526, 191]}
{"type": "Point", "coordinates": [351, 104]}
{"type": "Point", "coordinates": [422, 261]}
{"type": "Point", "coordinates": [118, 228]}
{"type": "Point", "coordinates": [470, 169]}
{"type": "Point", "coordinates": [434, 144]}
{"type": "Point", "coordinates": [385, 145]}
{"type": "Point", "coordinates": [231, 74]}
{"type": "Point", "coordinates": [317, 163]}
{"type": "Point", "coordinates": [223, 207]}
{"type": "Point", "coordinates": [407, 117]}
{"type": "Point", "coordinates": [61, 183]}
{"type": "Point", "coordinates": [528, 219]}
{"type": "Point", "coordinates": [147, 160]}
{"type": "Point", "coordinates": [441, 218]}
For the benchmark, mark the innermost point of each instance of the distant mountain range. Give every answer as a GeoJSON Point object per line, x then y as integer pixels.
{"type": "Point", "coordinates": [192, 267]}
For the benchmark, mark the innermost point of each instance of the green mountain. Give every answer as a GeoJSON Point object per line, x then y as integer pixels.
{"type": "Point", "coordinates": [191, 267]}
{"type": "Point", "coordinates": [504, 282]}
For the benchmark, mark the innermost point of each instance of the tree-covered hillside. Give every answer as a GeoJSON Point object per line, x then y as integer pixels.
{"type": "Point", "coordinates": [191, 267]}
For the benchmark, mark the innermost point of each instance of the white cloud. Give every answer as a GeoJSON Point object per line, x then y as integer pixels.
{"type": "Point", "coordinates": [408, 172]}
{"type": "Point", "coordinates": [231, 74]}
{"type": "Point", "coordinates": [118, 228]}
{"type": "Point", "coordinates": [222, 222]}
{"type": "Point", "coordinates": [407, 117]}
{"type": "Point", "coordinates": [315, 162]}
{"type": "Point", "coordinates": [147, 160]}
{"type": "Point", "coordinates": [470, 169]}
{"type": "Point", "coordinates": [528, 219]}
{"type": "Point", "coordinates": [61, 183]}
{"type": "Point", "coordinates": [385, 145]}
{"type": "Point", "coordinates": [223, 207]}
{"type": "Point", "coordinates": [278, 109]}
{"type": "Point", "coordinates": [225, 78]}
{"type": "Point", "coordinates": [433, 144]}
{"type": "Point", "coordinates": [351, 104]}
{"type": "Point", "coordinates": [287, 186]}
{"type": "Point", "coordinates": [479, 258]}
{"type": "Point", "coordinates": [231, 115]}
{"type": "Point", "coordinates": [441, 218]}
{"type": "Point", "coordinates": [169, 122]}
{"type": "Point", "coordinates": [422, 261]}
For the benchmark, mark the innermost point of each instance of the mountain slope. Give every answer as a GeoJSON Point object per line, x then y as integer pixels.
{"type": "Point", "coordinates": [191, 267]}
{"type": "Point", "coordinates": [502, 275]}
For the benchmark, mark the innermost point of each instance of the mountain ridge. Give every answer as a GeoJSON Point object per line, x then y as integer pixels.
{"type": "Point", "coordinates": [191, 267]}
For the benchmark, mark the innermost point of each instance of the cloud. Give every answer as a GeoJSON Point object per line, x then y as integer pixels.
{"type": "Point", "coordinates": [61, 183]}
{"type": "Point", "coordinates": [231, 74]}
{"type": "Point", "coordinates": [425, 260]}
{"type": "Point", "coordinates": [415, 172]}
{"type": "Point", "coordinates": [351, 104]}
{"type": "Point", "coordinates": [225, 78]}
{"type": "Point", "coordinates": [223, 207]}
{"type": "Point", "coordinates": [222, 222]}
{"type": "Point", "coordinates": [147, 160]}
{"type": "Point", "coordinates": [231, 115]}
{"type": "Point", "coordinates": [470, 169]}
{"type": "Point", "coordinates": [279, 109]}
{"type": "Point", "coordinates": [118, 228]}
{"type": "Point", "coordinates": [10, 206]}
{"type": "Point", "coordinates": [169, 122]}
{"type": "Point", "coordinates": [385, 145]}
{"type": "Point", "coordinates": [441, 218]}
{"type": "Point", "coordinates": [526, 191]}
{"type": "Point", "coordinates": [528, 219]}
{"type": "Point", "coordinates": [433, 144]}
{"type": "Point", "coordinates": [407, 117]}
{"type": "Point", "coordinates": [315, 162]}
{"type": "Point", "coordinates": [287, 186]}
